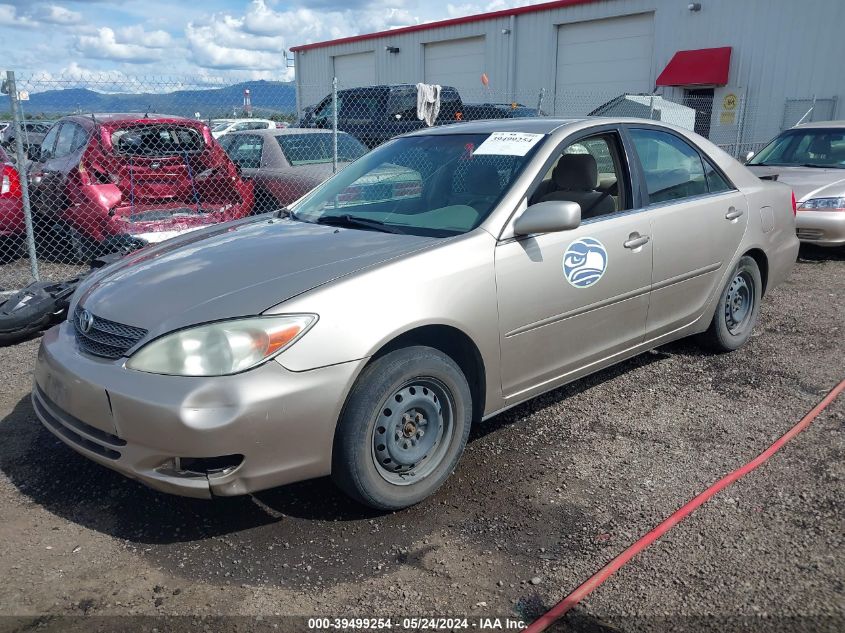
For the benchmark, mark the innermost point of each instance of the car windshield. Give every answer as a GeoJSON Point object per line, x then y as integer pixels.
{"type": "Point", "coordinates": [307, 149]}
{"type": "Point", "coordinates": [220, 126]}
{"type": "Point", "coordinates": [157, 140]}
{"type": "Point", "coordinates": [815, 147]}
{"type": "Point", "coordinates": [438, 185]}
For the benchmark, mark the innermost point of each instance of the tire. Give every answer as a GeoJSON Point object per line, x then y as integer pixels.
{"type": "Point", "coordinates": [71, 247]}
{"type": "Point", "coordinates": [388, 455]}
{"type": "Point", "coordinates": [738, 308]}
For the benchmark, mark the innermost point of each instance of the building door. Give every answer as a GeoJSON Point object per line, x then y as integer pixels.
{"type": "Point", "coordinates": [457, 63]}
{"type": "Point", "coordinates": [598, 60]}
{"type": "Point", "coordinates": [700, 100]}
{"type": "Point", "coordinates": [357, 69]}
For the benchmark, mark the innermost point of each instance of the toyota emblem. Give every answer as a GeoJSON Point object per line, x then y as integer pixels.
{"type": "Point", "coordinates": [85, 321]}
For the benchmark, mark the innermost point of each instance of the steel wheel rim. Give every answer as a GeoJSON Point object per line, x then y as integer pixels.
{"type": "Point", "coordinates": [413, 431]}
{"type": "Point", "coordinates": [739, 302]}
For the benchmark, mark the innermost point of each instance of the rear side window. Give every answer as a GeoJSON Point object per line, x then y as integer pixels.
{"type": "Point", "coordinates": [362, 106]}
{"type": "Point", "coordinates": [80, 138]}
{"type": "Point", "coordinates": [157, 140]}
{"type": "Point", "coordinates": [64, 144]}
{"type": "Point", "coordinates": [244, 149]}
{"type": "Point", "coordinates": [673, 168]}
{"type": "Point", "coordinates": [305, 149]}
{"type": "Point", "coordinates": [49, 141]}
{"type": "Point", "coordinates": [715, 181]}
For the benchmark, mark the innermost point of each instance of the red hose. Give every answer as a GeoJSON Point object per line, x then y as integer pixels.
{"type": "Point", "coordinates": [562, 607]}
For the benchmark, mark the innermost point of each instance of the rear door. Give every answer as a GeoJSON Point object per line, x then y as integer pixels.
{"type": "Point", "coordinates": [698, 219]}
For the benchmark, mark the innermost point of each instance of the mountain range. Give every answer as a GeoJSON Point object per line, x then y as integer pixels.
{"type": "Point", "coordinates": [268, 97]}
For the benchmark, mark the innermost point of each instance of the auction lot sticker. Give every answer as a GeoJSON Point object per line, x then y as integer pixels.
{"type": "Point", "coordinates": [508, 143]}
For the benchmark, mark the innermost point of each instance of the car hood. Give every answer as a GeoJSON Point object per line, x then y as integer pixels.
{"type": "Point", "coordinates": [231, 270]}
{"type": "Point", "coordinates": [806, 182]}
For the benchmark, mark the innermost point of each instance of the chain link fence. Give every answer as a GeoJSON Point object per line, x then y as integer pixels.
{"type": "Point", "coordinates": [102, 164]}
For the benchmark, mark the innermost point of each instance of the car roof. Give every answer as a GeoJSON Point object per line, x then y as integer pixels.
{"type": "Point", "coordinates": [123, 117]}
{"type": "Point", "coordinates": [821, 124]}
{"type": "Point", "coordinates": [242, 120]}
{"type": "Point", "coordinates": [284, 131]}
{"type": "Point", "coordinates": [534, 125]}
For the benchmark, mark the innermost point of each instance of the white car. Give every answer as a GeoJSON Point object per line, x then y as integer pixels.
{"type": "Point", "coordinates": [224, 126]}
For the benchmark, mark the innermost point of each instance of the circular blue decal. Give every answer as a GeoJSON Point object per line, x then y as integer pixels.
{"type": "Point", "coordinates": [584, 262]}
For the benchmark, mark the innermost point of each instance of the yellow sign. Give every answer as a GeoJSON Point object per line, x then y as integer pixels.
{"type": "Point", "coordinates": [727, 118]}
{"type": "Point", "coordinates": [729, 102]}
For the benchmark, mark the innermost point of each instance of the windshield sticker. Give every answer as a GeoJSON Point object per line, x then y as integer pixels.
{"type": "Point", "coordinates": [584, 262]}
{"type": "Point", "coordinates": [508, 143]}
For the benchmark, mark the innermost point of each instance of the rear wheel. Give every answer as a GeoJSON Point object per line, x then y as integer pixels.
{"type": "Point", "coordinates": [403, 429]}
{"type": "Point", "coordinates": [739, 305]}
{"type": "Point", "coordinates": [69, 246]}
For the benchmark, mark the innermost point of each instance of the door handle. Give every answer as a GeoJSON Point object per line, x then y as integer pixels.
{"type": "Point", "coordinates": [635, 241]}
{"type": "Point", "coordinates": [733, 213]}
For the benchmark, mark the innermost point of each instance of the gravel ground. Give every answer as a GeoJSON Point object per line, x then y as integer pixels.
{"type": "Point", "coordinates": [544, 496]}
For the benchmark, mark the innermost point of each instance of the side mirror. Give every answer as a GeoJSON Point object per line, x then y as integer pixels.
{"type": "Point", "coordinates": [749, 156]}
{"type": "Point", "coordinates": [548, 217]}
{"type": "Point", "coordinates": [33, 152]}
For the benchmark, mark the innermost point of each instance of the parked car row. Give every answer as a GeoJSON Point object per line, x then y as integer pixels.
{"type": "Point", "coordinates": [100, 183]}
{"type": "Point", "coordinates": [104, 182]}
{"type": "Point", "coordinates": [219, 127]}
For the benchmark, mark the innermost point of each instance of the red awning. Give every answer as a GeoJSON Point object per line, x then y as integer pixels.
{"type": "Point", "coordinates": [702, 67]}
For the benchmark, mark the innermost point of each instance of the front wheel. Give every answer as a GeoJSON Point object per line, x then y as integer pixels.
{"type": "Point", "coordinates": [403, 429]}
{"type": "Point", "coordinates": [738, 307]}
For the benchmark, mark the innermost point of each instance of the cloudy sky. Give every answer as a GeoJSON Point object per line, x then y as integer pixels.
{"type": "Point", "coordinates": [215, 39]}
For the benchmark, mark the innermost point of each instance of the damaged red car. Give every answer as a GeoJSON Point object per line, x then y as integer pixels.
{"type": "Point", "coordinates": [104, 182]}
{"type": "Point", "coordinates": [11, 209]}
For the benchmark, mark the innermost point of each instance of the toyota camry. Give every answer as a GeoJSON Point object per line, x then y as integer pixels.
{"type": "Point", "coordinates": [438, 280]}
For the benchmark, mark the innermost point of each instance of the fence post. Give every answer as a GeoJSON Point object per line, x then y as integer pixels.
{"type": "Point", "coordinates": [21, 158]}
{"type": "Point", "coordinates": [540, 101]}
{"type": "Point", "coordinates": [334, 125]}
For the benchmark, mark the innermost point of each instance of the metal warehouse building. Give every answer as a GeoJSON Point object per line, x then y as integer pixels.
{"type": "Point", "coordinates": [748, 67]}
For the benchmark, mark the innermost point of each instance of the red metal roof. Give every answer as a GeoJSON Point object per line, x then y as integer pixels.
{"type": "Point", "coordinates": [480, 17]}
{"type": "Point", "coordinates": [701, 67]}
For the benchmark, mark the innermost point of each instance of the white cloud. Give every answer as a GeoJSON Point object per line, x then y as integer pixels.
{"type": "Point", "coordinates": [257, 40]}
{"type": "Point", "coordinates": [132, 45]}
{"type": "Point", "coordinates": [9, 17]}
{"type": "Point", "coordinates": [54, 14]}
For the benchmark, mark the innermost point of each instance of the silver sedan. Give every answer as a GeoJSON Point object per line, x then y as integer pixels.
{"type": "Point", "coordinates": [810, 158]}
{"type": "Point", "coordinates": [438, 280]}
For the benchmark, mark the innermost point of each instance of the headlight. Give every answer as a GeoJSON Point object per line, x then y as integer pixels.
{"type": "Point", "coordinates": [824, 204]}
{"type": "Point", "coordinates": [222, 348]}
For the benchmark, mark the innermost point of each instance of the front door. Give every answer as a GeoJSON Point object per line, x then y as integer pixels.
{"type": "Point", "coordinates": [571, 299]}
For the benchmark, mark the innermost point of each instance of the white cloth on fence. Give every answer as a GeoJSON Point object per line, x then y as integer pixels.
{"type": "Point", "coordinates": [428, 103]}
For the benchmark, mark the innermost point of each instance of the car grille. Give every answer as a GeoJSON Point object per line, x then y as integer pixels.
{"type": "Point", "coordinates": [106, 338]}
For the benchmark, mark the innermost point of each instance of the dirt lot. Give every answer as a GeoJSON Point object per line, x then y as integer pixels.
{"type": "Point", "coordinates": [543, 497]}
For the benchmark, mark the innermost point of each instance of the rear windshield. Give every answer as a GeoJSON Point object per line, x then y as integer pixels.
{"type": "Point", "coordinates": [157, 140]}
{"type": "Point", "coordinates": [306, 149]}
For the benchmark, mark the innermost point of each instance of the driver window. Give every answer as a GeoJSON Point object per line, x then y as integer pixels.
{"type": "Point", "coordinates": [588, 171]}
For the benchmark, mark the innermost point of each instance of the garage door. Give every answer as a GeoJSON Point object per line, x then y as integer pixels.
{"type": "Point", "coordinates": [357, 69]}
{"type": "Point", "coordinates": [601, 59]}
{"type": "Point", "coordinates": [457, 63]}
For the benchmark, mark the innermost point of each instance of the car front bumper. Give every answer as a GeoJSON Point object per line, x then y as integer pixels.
{"type": "Point", "coordinates": [281, 422]}
{"type": "Point", "coordinates": [824, 228]}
